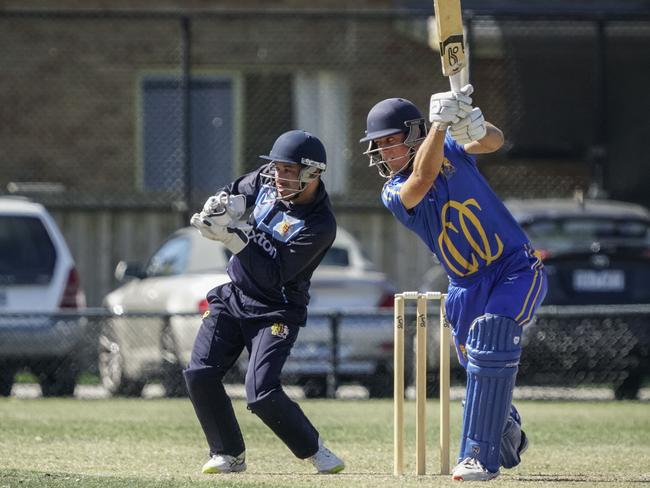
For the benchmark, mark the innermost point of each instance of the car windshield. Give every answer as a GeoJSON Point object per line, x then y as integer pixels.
{"type": "Point", "coordinates": [336, 256]}
{"type": "Point", "coordinates": [170, 259]}
{"type": "Point", "coordinates": [27, 255]}
{"type": "Point", "coordinates": [567, 233]}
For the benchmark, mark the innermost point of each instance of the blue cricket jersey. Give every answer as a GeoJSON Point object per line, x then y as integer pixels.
{"type": "Point", "coordinates": [460, 218]}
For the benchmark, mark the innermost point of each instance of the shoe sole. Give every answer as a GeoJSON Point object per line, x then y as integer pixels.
{"type": "Point", "coordinates": [215, 470]}
{"type": "Point", "coordinates": [334, 470]}
{"type": "Point", "coordinates": [470, 478]}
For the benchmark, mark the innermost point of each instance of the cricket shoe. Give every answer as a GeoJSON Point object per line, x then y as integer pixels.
{"type": "Point", "coordinates": [224, 463]}
{"type": "Point", "coordinates": [470, 469]}
{"type": "Point", "coordinates": [325, 461]}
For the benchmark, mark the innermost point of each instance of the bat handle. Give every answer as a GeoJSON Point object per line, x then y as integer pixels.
{"type": "Point", "coordinates": [456, 82]}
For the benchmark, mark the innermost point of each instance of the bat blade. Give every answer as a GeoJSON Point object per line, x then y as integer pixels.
{"type": "Point", "coordinates": [449, 24]}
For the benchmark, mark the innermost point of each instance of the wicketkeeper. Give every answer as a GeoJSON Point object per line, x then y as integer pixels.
{"type": "Point", "coordinates": [496, 282]}
{"type": "Point", "coordinates": [278, 223]}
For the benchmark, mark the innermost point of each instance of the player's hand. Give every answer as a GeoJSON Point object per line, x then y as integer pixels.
{"type": "Point", "coordinates": [448, 108]}
{"type": "Point", "coordinates": [471, 128]}
{"type": "Point", "coordinates": [234, 236]}
{"type": "Point", "coordinates": [206, 228]}
{"type": "Point", "coordinates": [225, 208]}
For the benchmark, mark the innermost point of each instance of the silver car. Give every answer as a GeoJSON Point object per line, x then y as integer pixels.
{"type": "Point", "coordinates": [155, 316]}
{"type": "Point", "coordinates": [40, 295]}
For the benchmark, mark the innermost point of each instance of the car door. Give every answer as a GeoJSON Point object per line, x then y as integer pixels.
{"type": "Point", "coordinates": [144, 303]}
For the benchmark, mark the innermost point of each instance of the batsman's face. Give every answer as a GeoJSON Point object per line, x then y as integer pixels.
{"type": "Point", "coordinates": [393, 151]}
{"type": "Point", "coordinates": [287, 178]}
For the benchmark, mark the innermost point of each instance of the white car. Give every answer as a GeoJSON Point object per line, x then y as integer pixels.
{"type": "Point", "coordinates": [39, 284]}
{"type": "Point", "coordinates": [156, 315]}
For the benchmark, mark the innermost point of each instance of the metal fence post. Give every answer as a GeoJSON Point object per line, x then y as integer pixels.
{"type": "Point", "coordinates": [186, 104]}
{"type": "Point", "coordinates": [333, 375]}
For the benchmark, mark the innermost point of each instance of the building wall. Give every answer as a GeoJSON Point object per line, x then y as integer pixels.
{"type": "Point", "coordinates": [72, 113]}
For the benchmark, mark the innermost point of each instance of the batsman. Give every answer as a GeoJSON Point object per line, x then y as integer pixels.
{"type": "Point", "coordinates": [434, 188]}
{"type": "Point", "coordinates": [277, 222]}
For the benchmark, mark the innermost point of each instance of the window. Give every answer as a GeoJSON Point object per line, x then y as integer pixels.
{"type": "Point", "coordinates": [27, 255]}
{"type": "Point", "coordinates": [212, 141]}
{"type": "Point", "coordinates": [567, 232]}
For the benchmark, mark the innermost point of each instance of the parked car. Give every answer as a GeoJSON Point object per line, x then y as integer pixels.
{"type": "Point", "coordinates": [595, 252]}
{"type": "Point", "coordinates": [137, 346]}
{"type": "Point", "coordinates": [38, 285]}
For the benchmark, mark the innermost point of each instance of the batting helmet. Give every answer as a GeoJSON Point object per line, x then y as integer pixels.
{"type": "Point", "coordinates": [389, 117]}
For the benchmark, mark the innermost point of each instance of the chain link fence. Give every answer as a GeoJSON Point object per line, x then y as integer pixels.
{"type": "Point", "coordinates": [147, 108]}
{"type": "Point", "coordinates": [607, 346]}
{"type": "Point", "coordinates": [109, 110]}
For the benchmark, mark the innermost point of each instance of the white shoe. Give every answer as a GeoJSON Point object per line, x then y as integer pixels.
{"type": "Point", "coordinates": [224, 463]}
{"type": "Point", "coordinates": [325, 461]}
{"type": "Point", "coordinates": [470, 469]}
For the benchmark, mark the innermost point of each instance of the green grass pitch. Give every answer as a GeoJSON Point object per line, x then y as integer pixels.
{"type": "Point", "coordinates": [158, 443]}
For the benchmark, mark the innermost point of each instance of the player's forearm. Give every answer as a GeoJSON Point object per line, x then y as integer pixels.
{"type": "Point", "coordinates": [426, 166]}
{"type": "Point", "coordinates": [491, 142]}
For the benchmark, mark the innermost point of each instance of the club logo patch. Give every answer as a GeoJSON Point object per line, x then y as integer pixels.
{"type": "Point", "coordinates": [280, 330]}
{"type": "Point", "coordinates": [476, 449]}
{"type": "Point", "coordinates": [283, 227]}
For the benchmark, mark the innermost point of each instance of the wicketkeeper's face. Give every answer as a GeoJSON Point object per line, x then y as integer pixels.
{"type": "Point", "coordinates": [287, 178]}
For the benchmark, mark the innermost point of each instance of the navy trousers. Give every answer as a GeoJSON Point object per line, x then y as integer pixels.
{"type": "Point", "coordinates": [219, 343]}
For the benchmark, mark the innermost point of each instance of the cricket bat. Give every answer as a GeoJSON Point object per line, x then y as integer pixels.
{"type": "Point", "coordinates": [449, 25]}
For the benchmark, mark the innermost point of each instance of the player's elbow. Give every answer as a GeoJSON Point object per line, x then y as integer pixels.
{"type": "Point", "coordinates": [493, 139]}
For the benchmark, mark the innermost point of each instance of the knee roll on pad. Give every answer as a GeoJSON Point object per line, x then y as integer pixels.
{"type": "Point", "coordinates": [494, 345]}
{"type": "Point", "coordinates": [493, 352]}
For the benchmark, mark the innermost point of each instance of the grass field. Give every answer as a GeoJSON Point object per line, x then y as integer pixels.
{"type": "Point", "coordinates": [158, 443]}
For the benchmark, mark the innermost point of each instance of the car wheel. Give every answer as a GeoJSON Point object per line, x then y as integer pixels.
{"type": "Point", "coordinates": [7, 374]}
{"type": "Point", "coordinates": [380, 385]}
{"type": "Point", "coordinates": [58, 377]}
{"type": "Point", "coordinates": [314, 387]}
{"type": "Point", "coordinates": [111, 368]}
{"type": "Point", "coordinates": [172, 371]}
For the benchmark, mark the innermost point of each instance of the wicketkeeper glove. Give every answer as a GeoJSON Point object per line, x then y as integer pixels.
{"type": "Point", "coordinates": [234, 236]}
{"type": "Point", "coordinates": [225, 209]}
{"type": "Point", "coordinates": [471, 128]}
{"type": "Point", "coordinates": [448, 108]}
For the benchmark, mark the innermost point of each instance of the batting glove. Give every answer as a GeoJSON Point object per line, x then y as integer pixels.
{"type": "Point", "coordinates": [471, 128]}
{"type": "Point", "coordinates": [448, 108]}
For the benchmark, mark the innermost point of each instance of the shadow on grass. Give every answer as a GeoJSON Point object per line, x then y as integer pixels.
{"type": "Point", "coordinates": [579, 478]}
{"type": "Point", "coordinates": [27, 479]}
